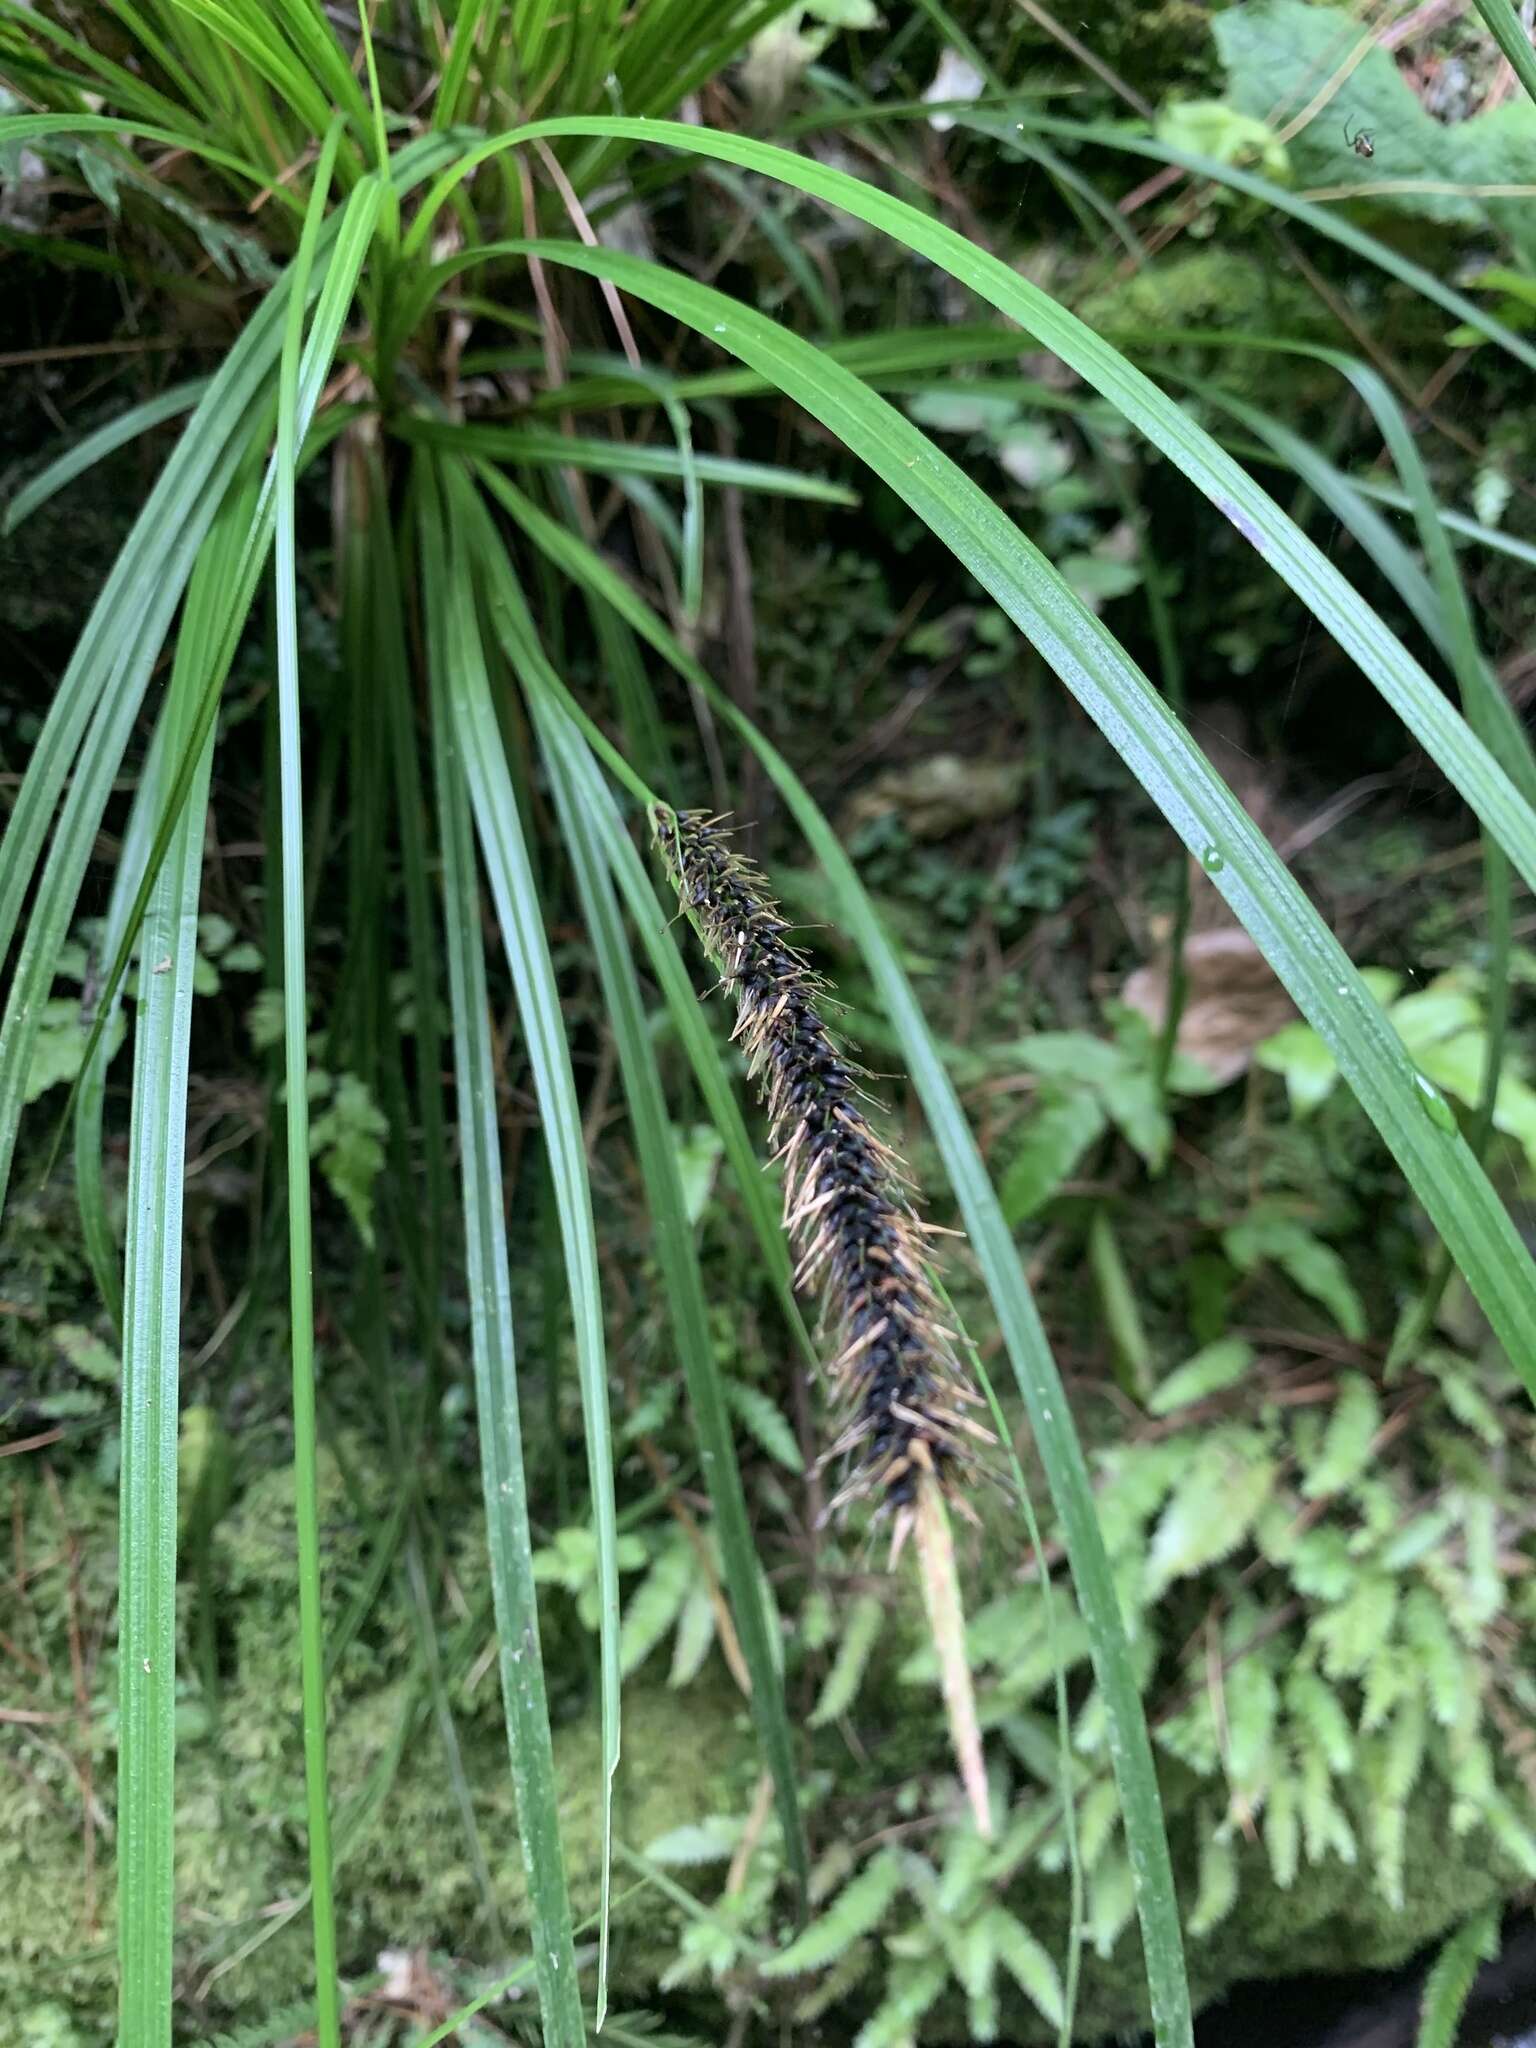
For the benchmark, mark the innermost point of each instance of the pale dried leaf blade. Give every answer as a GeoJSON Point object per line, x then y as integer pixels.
{"type": "Point", "coordinates": [946, 1617]}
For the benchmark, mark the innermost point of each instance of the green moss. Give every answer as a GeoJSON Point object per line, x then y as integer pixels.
{"type": "Point", "coordinates": [403, 1878]}
{"type": "Point", "coordinates": [1216, 286]}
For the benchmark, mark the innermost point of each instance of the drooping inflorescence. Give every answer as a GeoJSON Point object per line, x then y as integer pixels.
{"type": "Point", "coordinates": [846, 1211]}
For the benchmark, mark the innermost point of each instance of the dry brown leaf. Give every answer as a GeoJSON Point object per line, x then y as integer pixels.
{"type": "Point", "coordinates": [1232, 1000]}
{"type": "Point", "coordinates": [943, 794]}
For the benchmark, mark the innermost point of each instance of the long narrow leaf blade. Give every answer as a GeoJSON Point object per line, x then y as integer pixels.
{"type": "Point", "coordinates": [491, 1338]}
{"type": "Point", "coordinates": [586, 821]}
{"type": "Point", "coordinates": [510, 873]}
{"type": "Point", "coordinates": [152, 1353]}
{"type": "Point", "coordinates": [296, 1084]}
{"type": "Point", "coordinates": [1304, 568]}
{"type": "Point", "coordinates": [1416, 1123]}
{"type": "Point", "coordinates": [94, 448]}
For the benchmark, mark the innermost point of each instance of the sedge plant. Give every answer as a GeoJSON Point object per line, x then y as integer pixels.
{"type": "Point", "coordinates": [374, 189]}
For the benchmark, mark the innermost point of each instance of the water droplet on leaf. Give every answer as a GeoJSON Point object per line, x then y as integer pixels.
{"type": "Point", "coordinates": [1434, 1104]}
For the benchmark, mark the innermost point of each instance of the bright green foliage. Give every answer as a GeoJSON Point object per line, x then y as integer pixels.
{"type": "Point", "coordinates": [676, 1597]}
{"type": "Point", "coordinates": [61, 1043]}
{"type": "Point", "coordinates": [1269, 1233]}
{"type": "Point", "coordinates": [378, 171]}
{"type": "Point", "coordinates": [1276, 50]}
{"type": "Point", "coordinates": [1211, 128]}
{"type": "Point", "coordinates": [763, 1419]}
{"type": "Point", "coordinates": [1345, 1449]}
{"type": "Point", "coordinates": [347, 1135]}
{"type": "Point", "coordinates": [1444, 1030]}
{"type": "Point", "coordinates": [1217, 1894]}
{"type": "Point", "coordinates": [1450, 1980]}
{"type": "Point", "coordinates": [859, 1907]}
{"type": "Point", "coordinates": [1227, 1481]}
{"type": "Point", "coordinates": [570, 1562]}
{"type": "Point", "coordinates": [1117, 1075]}
{"type": "Point", "coordinates": [655, 1606]}
{"type": "Point", "coordinates": [1211, 1370]}
{"type": "Point", "coordinates": [1063, 1126]}
{"type": "Point", "coordinates": [861, 1631]}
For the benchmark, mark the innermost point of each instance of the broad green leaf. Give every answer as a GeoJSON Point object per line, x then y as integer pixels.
{"type": "Point", "coordinates": [1059, 1130]}
{"type": "Point", "coordinates": [59, 1049]}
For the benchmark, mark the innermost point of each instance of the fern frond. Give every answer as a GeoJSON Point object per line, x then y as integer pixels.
{"type": "Point", "coordinates": [913, 1988]}
{"type": "Point", "coordinates": [1451, 1977]}
{"type": "Point", "coordinates": [1098, 1814]}
{"type": "Point", "coordinates": [1217, 1893]}
{"type": "Point", "coordinates": [1346, 1446]}
{"type": "Point", "coordinates": [1225, 1485]}
{"type": "Point", "coordinates": [1484, 1582]}
{"type": "Point", "coordinates": [845, 1975]}
{"type": "Point", "coordinates": [1456, 1378]}
{"type": "Point", "coordinates": [1438, 1659]}
{"type": "Point", "coordinates": [696, 1628]}
{"type": "Point", "coordinates": [1466, 1764]}
{"type": "Point", "coordinates": [1319, 1722]}
{"type": "Point", "coordinates": [656, 1603]}
{"type": "Point", "coordinates": [1252, 1700]}
{"type": "Point", "coordinates": [1028, 1963]}
{"type": "Point", "coordinates": [1325, 1828]}
{"type": "Point", "coordinates": [763, 1419]}
{"type": "Point", "coordinates": [1387, 1680]}
{"type": "Point", "coordinates": [1112, 1900]}
{"type": "Point", "coordinates": [1135, 1480]}
{"type": "Point", "coordinates": [1353, 1635]}
{"type": "Point", "coordinates": [1511, 1833]}
{"type": "Point", "coordinates": [1282, 1827]}
{"type": "Point", "coordinates": [292, 2020]}
{"type": "Point", "coordinates": [1218, 1366]}
{"type": "Point", "coordinates": [978, 1977]}
{"type": "Point", "coordinates": [857, 1910]}
{"type": "Point", "coordinates": [1321, 1564]}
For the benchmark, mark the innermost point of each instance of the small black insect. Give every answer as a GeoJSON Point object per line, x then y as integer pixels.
{"type": "Point", "coordinates": [1362, 142]}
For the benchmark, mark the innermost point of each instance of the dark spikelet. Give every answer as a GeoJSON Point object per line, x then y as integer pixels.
{"type": "Point", "coordinates": [858, 1240]}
